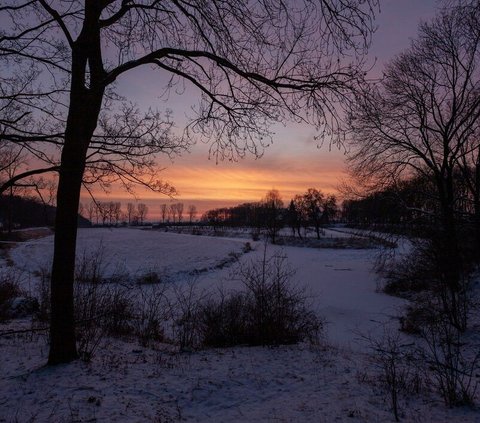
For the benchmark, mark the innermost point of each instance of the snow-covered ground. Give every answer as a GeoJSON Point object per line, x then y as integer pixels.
{"type": "Point", "coordinates": [340, 283]}
{"type": "Point", "coordinates": [127, 383]}
{"type": "Point", "coordinates": [134, 250]}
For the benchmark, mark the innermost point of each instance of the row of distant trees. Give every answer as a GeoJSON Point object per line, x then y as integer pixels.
{"type": "Point", "coordinates": [174, 213]}
{"type": "Point", "coordinates": [413, 204]}
{"type": "Point", "coordinates": [111, 213]}
{"type": "Point", "coordinates": [310, 209]}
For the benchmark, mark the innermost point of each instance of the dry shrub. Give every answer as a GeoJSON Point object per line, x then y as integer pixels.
{"type": "Point", "coordinates": [421, 276]}
{"type": "Point", "coordinates": [399, 374]}
{"type": "Point", "coordinates": [270, 310]}
{"type": "Point", "coordinates": [413, 273]}
{"type": "Point", "coordinates": [101, 310]}
{"type": "Point", "coordinates": [9, 290]}
{"type": "Point", "coordinates": [186, 314]}
{"type": "Point", "coordinates": [224, 321]}
{"type": "Point", "coordinates": [153, 311]}
{"type": "Point", "coordinates": [148, 278]}
{"type": "Point", "coordinates": [453, 362]}
{"type": "Point", "coordinates": [90, 268]}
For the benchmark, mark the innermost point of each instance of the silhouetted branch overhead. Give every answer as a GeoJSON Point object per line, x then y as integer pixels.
{"type": "Point", "coordinates": [425, 111]}
{"type": "Point", "coordinates": [252, 64]}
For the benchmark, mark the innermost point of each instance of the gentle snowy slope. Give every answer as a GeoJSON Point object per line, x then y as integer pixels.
{"type": "Point", "coordinates": [128, 383]}
{"type": "Point", "coordinates": [135, 251]}
{"type": "Point", "coordinates": [340, 282]}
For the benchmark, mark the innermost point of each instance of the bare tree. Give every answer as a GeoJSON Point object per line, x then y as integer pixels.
{"type": "Point", "coordinates": [422, 118]}
{"type": "Point", "coordinates": [117, 212]}
{"type": "Point", "coordinates": [253, 63]}
{"type": "Point", "coordinates": [142, 211]}
{"type": "Point", "coordinates": [180, 212]}
{"type": "Point", "coordinates": [192, 212]}
{"type": "Point", "coordinates": [91, 211]}
{"type": "Point", "coordinates": [330, 208]}
{"type": "Point", "coordinates": [173, 211]}
{"type": "Point", "coordinates": [312, 203]}
{"type": "Point", "coordinates": [12, 158]}
{"type": "Point", "coordinates": [130, 212]}
{"type": "Point", "coordinates": [273, 205]}
{"type": "Point", "coordinates": [293, 218]}
{"type": "Point", "coordinates": [103, 212]}
{"type": "Point", "coordinates": [302, 215]}
{"type": "Point", "coordinates": [164, 212]}
{"type": "Point", "coordinates": [81, 209]}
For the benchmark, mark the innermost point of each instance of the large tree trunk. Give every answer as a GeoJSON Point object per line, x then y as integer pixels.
{"type": "Point", "coordinates": [476, 205]}
{"type": "Point", "coordinates": [86, 95]}
{"type": "Point", "coordinates": [450, 257]}
{"type": "Point", "coordinates": [62, 326]}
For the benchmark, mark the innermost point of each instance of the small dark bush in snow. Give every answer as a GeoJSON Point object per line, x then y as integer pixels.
{"type": "Point", "coordinates": [9, 290]}
{"type": "Point", "coordinates": [270, 310]}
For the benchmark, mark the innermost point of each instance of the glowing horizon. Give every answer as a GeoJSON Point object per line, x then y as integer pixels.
{"type": "Point", "coordinates": [208, 185]}
{"type": "Point", "coordinates": [291, 165]}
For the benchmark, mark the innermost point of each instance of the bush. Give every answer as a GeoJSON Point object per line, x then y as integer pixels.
{"type": "Point", "coordinates": [398, 371]}
{"type": "Point", "coordinates": [100, 308]}
{"type": "Point", "coordinates": [421, 276]}
{"type": "Point", "coordinates": [269, 311]}
{"type": "Point", "coordinates": [91, 267]}
{"type": "Point", "coordinates": [186, 314]}
{"type": "Point", "coordinates": [416, 272]}
{"type": "Point", "coordinates": [105, 306]}
{"type": "Point", "coordinates": [153, 311]}
{"type": "Point", "coordinates": [9, 290]}
{"type": "Point", "coordinates": [89, 305]}
{"type": "Point", "coordinates": [453, 363]}
{"type": "Point", "coordinates": [119, 311]}
{"type": "Point", "coordinates": [148, 278]}
{"type": "Point", "coordinates": [421, 310]}
{"type": "Point", "coordinates": [225, 322]}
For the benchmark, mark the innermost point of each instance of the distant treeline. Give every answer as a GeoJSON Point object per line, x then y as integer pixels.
{"type": "Point", "coordinates": [311, 209]}
{"type": "Point", "coordinates": [21, 212]}
{"type": "Point", "coordinates": [411, 203]}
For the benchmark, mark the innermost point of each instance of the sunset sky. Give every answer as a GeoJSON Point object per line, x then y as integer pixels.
{"type": "Point", "coordinates": [291, 165]}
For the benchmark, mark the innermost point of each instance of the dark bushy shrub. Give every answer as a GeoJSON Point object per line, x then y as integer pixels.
{"type": "Point", "coordinates": [269, 311]}
{"type": "Point", "coordinates": [423, 278]}
{"type": "Point", "coordinates": [225, 322]}
{"type": "Point", "coordinates": [9, 290]}
{"type": "Point", "coordinates": [153, 310]}
{"type": "Point", "coordinates": [414, 273]}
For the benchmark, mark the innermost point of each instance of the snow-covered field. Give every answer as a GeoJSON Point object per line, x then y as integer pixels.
{"type": "Point", "coordinates": [302, 383]}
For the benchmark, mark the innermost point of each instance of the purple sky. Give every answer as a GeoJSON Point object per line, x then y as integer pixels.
{"type": "Point", "coordinates": [293, 163]}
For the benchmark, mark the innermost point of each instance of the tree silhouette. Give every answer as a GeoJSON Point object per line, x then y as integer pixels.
{"type": "Point", "coordinates": [164, 212]}
{"type": "Point", "coordinates": [180, 212]}
{"type": "Point", "coordinates": [130, 212]}
{"type": "Point", "coordinates": [312, 202]}
{"type": "Point", "coordinates": [252, 63]}
{"type": "Point", "coordinates": [422, 119]}
{"type": "Point", "coordinates": [192, 212]}
{"type": "Point", "coordinates": [273, 209]}
{"type": "Point", "coordinates": [142, 211]}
